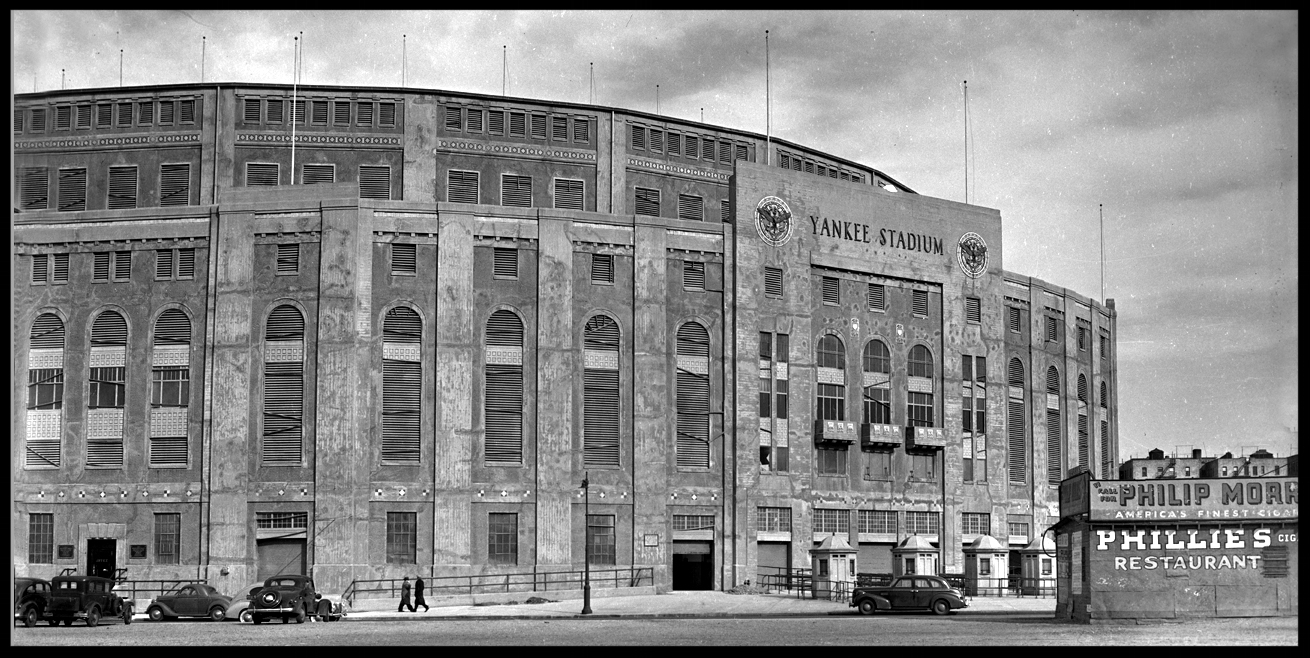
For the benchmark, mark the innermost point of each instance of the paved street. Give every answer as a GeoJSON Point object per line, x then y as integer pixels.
{"type": "Point", "coordinates": [906, 629]}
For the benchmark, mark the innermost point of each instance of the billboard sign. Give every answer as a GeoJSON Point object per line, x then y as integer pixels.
{"type": "Point", "coordinates": [1229, 499]}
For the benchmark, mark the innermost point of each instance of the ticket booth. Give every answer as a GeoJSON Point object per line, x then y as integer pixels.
{"type": "Point", "coordinates": [914, 555]}
{"type": "Point", "coordinates": [986, 570]}
{"type": "Point", "coordinates": [832, 568]}
{"type": "Point", "coordinates": [1038, 570]}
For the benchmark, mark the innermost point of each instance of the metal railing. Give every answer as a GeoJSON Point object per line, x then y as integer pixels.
{"type": "Point", "coordinates": [142, 589]}
{"type": "Point", "coordinates": [1040, 587]}
{"type": "Point", "coordinates": [782, 579]}
{"type": "Point", "coordinates": [532, 581]}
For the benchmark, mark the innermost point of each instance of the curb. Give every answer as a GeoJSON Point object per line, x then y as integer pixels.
{"type": "Point", "coordinates": [717, 615]}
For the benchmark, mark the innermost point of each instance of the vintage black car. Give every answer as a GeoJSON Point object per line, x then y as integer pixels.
{"type": "Point", "coordinates": [291, 597]}
{"type": "Point", "coordinates": [911, 592]}
{"type": "Point", "coordinates": [30, 598]}
{"type": "Point", "coordinates": [191, 600]}
{"type": "Point", "coordinates": [89, 598]}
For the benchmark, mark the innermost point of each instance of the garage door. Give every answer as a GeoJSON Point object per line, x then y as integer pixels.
{"type": "Point", "coordinates": [874, 558]}
{"type": "Point", "coordinates": [280, 556]}
{"type": "Point", "coordinates": [774, 557]}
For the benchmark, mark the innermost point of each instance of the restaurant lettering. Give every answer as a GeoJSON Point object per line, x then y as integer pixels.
{"type": "Point", "coordinates": [883, 237]}
{"type": "Point", "coordinates": [1186, 540]}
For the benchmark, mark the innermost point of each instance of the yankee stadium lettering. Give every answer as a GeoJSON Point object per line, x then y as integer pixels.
{"type": "Point", "coordinates": [884, 237]}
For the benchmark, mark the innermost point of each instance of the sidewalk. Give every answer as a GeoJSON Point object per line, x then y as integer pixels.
{"type": "Point", "coordinates": [673, 605]}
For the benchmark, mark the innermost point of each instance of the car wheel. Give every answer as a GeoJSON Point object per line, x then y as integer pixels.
{"type": "Point", "coordinates": [941, 607]}
{"type": "Point", "coordinates": [217, 613]}
{"type": "Point", "coordinates": [867, 607]}
{"type": "Point", "coordinates": [246, 617]}
{"type": "Point", "coordinates": [300, 616]}
{"type": "Point", "coordinates": [92, 617]}
{"type": "Point", "coordinates": [155, 614]}
{"type": "Point", "coordinates": [30, 617]}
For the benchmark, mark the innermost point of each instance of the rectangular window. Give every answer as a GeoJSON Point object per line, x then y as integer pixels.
{"type": "Point", "coordinates": [168, 538]}
{"type": "Point", "coordinates": [675, 144]}
{"type": "Point", "coordinates": [462, 186]}
{"type": "Point", "coordinates": [145, 113]}
{"type": "Point", "coordinates": [41, 538]}
{"type": "Point", "coordinates": [693, 275]}
{"type": "Point", "coordinates": [877, 297]}
{"type": "Point", "coordinates": [72, 189]}
{"type": "Point", "coordinates": [639, 137]}
{"type": "Point", "coordinates": [281, 520]}
{"type": "Point", "coordinates": [559, 128]}
{"type": "Point", "coordinates": [1082, 338]}
{"type": "Point", "coordinates": [375, 182]}
{"type": "Point", "coordinates": [691, 208]}
{"type": "Point", "coordinates": [59, 268]}
{"type": "Point", "coordinates": [122, 265]}
{"type": "Point", "coordinates": [648, 201]}
{"type": "Point", "coordinates": [1017, 529]}
{"type": "Point", "coordinates": [107, 388]}
{"type": "Point", "coordinates": [693, 522]}
{"type": "Point", "coordinates": [1052, 329]}
{"type": "Point", "coordinates": [568, 194]}
{"type": "Point", "coordinates": [496, 122]}
{"type": "Point", "coordinates": [170, 386]}
{"type": "Point", "coordinates": [831, 291]}
{"type": "Point", "coordinates": [1105, 346]}
{"type": "Point", "coordinates": [922, 523]}
{"type": "Point", "coordinates": [262, 173]}
{"type": "Point", "coordinates": [516, 191]}
{"type": "Point", "coordinates": [538, 124]}
{"type": "Point", "coordinates": [772, 282]}
{"type": "Point", "coordinates": [773, 519]}
{"type": "Point", "coordinates": [288, 259]}
{"type": "Point", "coordinates": [879, 522]}
{"type": "Point", "coordinates": [122, 188]}
{"type": "Point", "coordinates": [973, 310]}
{"type": "Point", "coordinates": [175, 263]}
{"type": "Point", "coordinates": [601, 539]}
{"type": "Point", "coordinates": [505, 263]}
{"type": "Point", "coordinates": [919, 299]}
{"type": "Point", "coordinates": [518, 124]}
{"type": "Point", "coordinates": [920, 410]}
{"type": "Point", "coordinates": [364, 114]}
{"type": "Point", "coordinates": [972, 523]}
{"type": "Point", "coordinates": [341, 113]}
{"type": "Point", "coordinates": [602, 268]}
{"type": "Point", "coordinates": [581, 130]}
{"type": "Point", "coordinates": [1013, 319]}
{"type": "Point", "coordinates": [828, 521]}
{"type": "Point", "coordinates": [175, 185]}
{"type": "Point", "coordinates": [502, 538]}
{"type": "Point", "coordinates": [402, 537]}
{"type": "Point", "coordinates": [404, 259]}
{"type": "Point", "coordinates": [831, 461]}
{"type": "Point", "coordinates": [318, 174]}
{"type": "Point", "coordinates": [725, 152]}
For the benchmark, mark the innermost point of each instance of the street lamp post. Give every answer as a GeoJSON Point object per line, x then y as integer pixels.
{"type": "Point", "coordinates": [586, 548]}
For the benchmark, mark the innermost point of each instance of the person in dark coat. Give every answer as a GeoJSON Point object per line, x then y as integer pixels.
{"type": "Point", "coordinates": [404, 597]}
{"type": "Point", "coordinates": [418, 594]}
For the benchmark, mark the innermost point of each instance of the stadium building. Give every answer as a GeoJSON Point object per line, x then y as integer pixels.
{"type": "Point", "coordinates": [369, 332]}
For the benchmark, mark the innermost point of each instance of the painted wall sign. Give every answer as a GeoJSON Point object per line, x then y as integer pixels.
{"type": "Point", "coordinates": [883, 237]}
{"type": "Point", "coordinates": [1189, 548]}
{"type": "Point", "coordinates": [1201, 500]}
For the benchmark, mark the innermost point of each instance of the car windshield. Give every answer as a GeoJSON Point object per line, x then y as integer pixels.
{"type": "Point", "coordinates": [281, 582]}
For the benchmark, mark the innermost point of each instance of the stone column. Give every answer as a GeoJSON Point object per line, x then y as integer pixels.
{"type": "Point", "coordinates": [652, 404]}
{"type": "Point", "coordinates": [456, 339]}
{"type": "Point", "coordinates": [555, 358]}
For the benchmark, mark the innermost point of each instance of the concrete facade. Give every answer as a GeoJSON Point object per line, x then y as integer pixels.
{"type": "Point", "coordinates": [694, 259]}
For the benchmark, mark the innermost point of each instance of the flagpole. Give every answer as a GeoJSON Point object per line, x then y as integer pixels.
{"type": "Point", "coordinates": [504, 69]}
{"type": "Point", "coordinates": [120, 67]}
{"type": "Point", "coordinates": [591, 67]}
{"type": "Point", "coordinates": [293, 111]}
{"type": "Point", "coordinates": [768, 126]}
{"type": "Point", "coordinates": [966, 141]}
{"type": "Point", "coordinates": [202, 59]}
{"type": "Point", "coordinates": [1100, 209]}
{"type": "Point", "coordinates": [404, 59]}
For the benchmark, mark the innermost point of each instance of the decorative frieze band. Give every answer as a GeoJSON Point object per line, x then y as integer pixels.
{"type": "Point", "coordinates": [1016, 393]}
{"type": "Point", "coordinates": [319, 139]}
{"type": "Point", "coordinates": [678, 169]}
{"type": "Point", "coordinates": [284, 351]}
{"type": "Point", "coordinates": [104, 423]}
{"type": "Point", "coordinates": [879, 379]}
{"type": "Point", "coordinates": [696, 365]}
{"type": "Point", "coordinates": [766, 438]}
{"type": "Point", "coordinates": [41, 358]}
{"type": "Point", "coordinates": [920, 384]}
{"type": "Point", "coordinates": [91, 142]}
{"type": "Point", "coordinates": [168, 421]}
{"type": "Point", "coordinates": [779, 371]}
{"type": "Point", "coordinates": [780, 431]}
{"type": "Point", "coordinates": [400, 351]}
{"type": "Point", "coordinates": [44, 424]}
{"type": "Point", "coordinates": [108, 357]}
{"type": "Point", "coordinates": [170, 355]}
{"type": "Point", "coordinates": [831, 376]}
{"type": "Point", "coordinates": [480, 147]}
{"type": "Point", "coordinates": [504, 355]}
{"type": "Point", "coordinates": [600, 359]}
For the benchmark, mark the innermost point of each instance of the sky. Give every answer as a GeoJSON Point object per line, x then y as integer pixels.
{"type": "Point", "coordinates": [1176, 131]}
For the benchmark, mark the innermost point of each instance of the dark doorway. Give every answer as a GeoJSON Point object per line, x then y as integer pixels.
{"type": "Point", "coordinates": [693, 565]}
{"type": "Point", "coordinates": [100, 557]}
{"type": "Point", "coordinates": [280, 556]}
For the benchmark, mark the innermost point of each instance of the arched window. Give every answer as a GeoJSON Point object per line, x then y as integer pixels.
{"type": "Point", "coordinates": [1084, 444]}
{"type": "Point", "coordinates": [1015, 444]}
{"type": "Point", "coordinates": [877, 383]}
{"type": "Point", "coordinates": [284, 388]}
{"type": "Point", "coordinates": [693, 396]}
{"type": "Point", "coordinates": [831, 378]}
{"type": "Point", "coordinates": [502, 399]}
{"type": "Point", "coordinates": [107, 391]}
{"type": "Point", "coordinates": [600, 388]}
{"type": "Point", "coordinates": [170, 390]}
{"type": "Point", "coordinates": [402, 386]}
{"type": "Point", "coordinates": [919, 403]}
{"type": "Point", "coordinates": [45, 392]}
{"type": "Point", "coordinates": [1054, 442]}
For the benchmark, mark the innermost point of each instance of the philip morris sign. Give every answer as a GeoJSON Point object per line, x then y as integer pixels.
{"type": "Point", "coordinates": [1200, 500]}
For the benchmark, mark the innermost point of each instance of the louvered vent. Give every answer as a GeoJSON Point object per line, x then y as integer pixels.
{"type": "Point", "coordinates": [261, 174]}
{"type": "Point", "coordinates": [877, 297]}
{"type": "Point", "coordinates": [831, 291]}
{"type": "Point", "coordinates": [742, 152]}
{"type": "Point", "coordinates": [1082, 389]}
{"type": "Point", "coordinates": [725, 211]}
{"type": "Point", "coordinates": [516, 191]}
{"type": "Point", "coordinates": [581, 130]}
{"type": "Point", "coordinates": [832, 173]}
{"type": "Point", "coordinates": [693, 275]}
{"type": "Point", "coordinates": [34, 192]}
{"type": "Point", "coordinates": [772, 282]}
{"type": "Point", "coordinates": [60, 273]}
{"type": "Point", "coordinates": [693, 146]}
{"type": "Point", "coordinates": [364, 114]}
{"type": "Point", "coordinates": [809, 167]}
{"type": "Point", "coordinates": [602, 268]}
{"type": "Point", "coordinates": [559, 128]}
{"type": "Point", "coordinates": [40, 268]}
{"type": "Point", "coordinates": [691, 207]}
{"type": "Point", "coordinates": [784, 160]}
{"type": "Point", "coordinates": [1084, 445]}
{"type": "Point", "coordinates": [638, 137]}
{"type": "Point", "coordinates": [318, 112]}
{"type": "Point", "coordinates": [675, 144]}
{"type": "Point", "coordinates": [505, 263]}
{"type": "Point", "coordinates": [166, 112]}
{"type": "Point", "coordinates": [1052, 381]}
{"type": "Point", "coordinates": [18, 120]}
{"type": "Point", "coordinates": [503, 395]}
{"type": "Point", "coordinates": [100, 272]}
{"type": "Point", "coordinates": [707, 149]}
{"type": "Point", "coordinates": [496, 122]}
{"type": "Point", "coordinates": [38, 119]}
{"type": "Point", "coordinates": [1015, 373]}
{"type": "Point", "coordinates": [568, 194]}
{"type": "Point", "coordinates": [919, 298]}
{"type": "Point", "coordinates": [62, 117]}
{"type": "Point", "coordinates": [109, 329]}
{"type": "Point", "coordinates": [797, 164]}
{"type": "Point", "coordinates": [656, 140]}
{"type": "Point", "coordinates": [693, 397]}
{"type": "Point", "coordinates": [539, 126]}
{"type": "Point", "coordinates": [187, 111]}
{"type": "Point", "coordinates": [725, 152]}
{"type": "Point", "coordinates": [251, 114]}
{"type": "Point", "coordinates": [820, 169]}
{"type": "Point", "coordinates": [72, 190]}
{"type": "Point", "coordinates": [404, 258]}
{"type": "Point", "coordinates": [173, 328]}
{"type": "Point", "coordinates": [973, 309]}
{"type": "Point", "coordinates": [47, 333]}
{"type": "Point", "coordinates": [1105, 393]}
{"type": "Point", "coordinates": [462, 186]}
{"type": "Point", "coordinates": [186, 263]}
{"type": "Point", "coordinates": [600, 411]}
{"type": "Point", "coordinates": [288, 258]}
{"type": "Point", "coordinates": [145, 113]}
{"type": "Point", "coordinates": [454, 117]}
{"type": "Point", "coordinates": [518, 124]}
{"type": "Point", "coordinates": [402, 387]}
{"type": "Point", "coordinates": [1054, 471]}
{"type": "Point", "coordinates": [1015, 423]}
{"type": "Point", "coordinates": [474, 124]}
{"type": "Point", "coordinates": [648, 201]}
{"type": "Point", "coordinates": [163, 263]}
{"type": "Point", "coordinates": [124, 115]}
{"type": "Point", "coordinates": [374, 182]}
{"type": "Point", "coordinates": [285, 323]}
{"type": "Point", "coordinates": [175, 185]}
{"type": "Point", "coordinates": [341, 113]}
{"type": "Point", "coordinates": [297, 110]}
{"type": "Point", "coordinates": [122, 265]}
{"type": "Point", "coordinates": [84, 113]}
{"type": "Point", "coordinates": [168, 451]}
{"type": "Point", "coordinates": [316, 174]}
{"type": "Point", "coordinates": [283, 387]}
{"type": "Point", "coordinates": [122, 187]}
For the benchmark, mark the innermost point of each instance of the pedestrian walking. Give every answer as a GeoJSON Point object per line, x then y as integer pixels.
{"type": "Point", "coordinates": [404, 597]}
{"type": "Point", "coordinates": [418, 593]}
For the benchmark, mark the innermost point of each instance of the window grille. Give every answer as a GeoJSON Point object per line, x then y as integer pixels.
{"type": "Point", "coordinates": [919, 298]}
{"type": "Point", "coordinates": [175, 185]}
{"type": "Point", "coordinates": [462, 186]}
{"type": "Point", "coordinates": [273, 111]}
{"type": "Point", "coordinates": [251, 114]}
{"type": "Point", "coordinates": [831, 291]}
{"type": "Point", "coordinates": [503, 394]}
{"type": "Point", "coordinates": [38, 119]}
{"type": "Point", "coordinates": [877, 297]}
{"type": "Point", "coordinates": [72, 189]}
{"type": "Point", "coordinates": [318, 113]}
{"type": "Point", "coordinates": [364, 113]}
{"type": "Point", "coordinates": [166, 113]}
{"type": "Point", "coordinates": [538, 126]}
{"type": "Point", "coordinates": [341, 113]}
{"type": "Point", "coordinates": [502, 538]}
{"type": "Point", "coordinates": [693, 275]}
{"type": "Point", "coordinates": [648, 201]}
{"type": "Point", "coordinates": [516, 191]}
{"type": "Point", "coordinates": [882, 522]}
{"type": "Point", "coordinates": [34, 190]}
{"type": "Point", "coordinates": [283, 387]}
{"type": "Point", "coordinates": [122, 188]}
{"type": "Point", "coordinates": [973, 523]}
{"type": "Point", "coordinates": [601, 539]}
{"type": "Point", "coordinates": [505, 263]}
{"type": "Point", "coordinates": [262, 174]}
{"type": "Point", "coordinates": [454, 117]}
{"type": "Point", "coordinates": [832, 521]}
{"type": "Point", "coordinates": [41, 538]}
{"type": "Point", "coordinates": [602, 268]}
{"type": "Point", "coordinates": [559, 128]}
{"type": "Point", "coordinates": [687, 522]}
{"type": "Point", "coordinates": [145, 113]}
{"type": "Point", "coordinates": [281, 520]}
{"type": "Point", "coordinates": [387, 116]}
{"type": "Point", "coordinates": [404, 258]}
{"type": "Point", "coordinates": [773, 519]}
{"type": "Point", "coordinates": [496, 122]}
{"type": "Point", "coordinates": [402, 385]}
{"type": "Point", "coordinates": [691, 208]}
{"type": "Point", "coordinates": [568, 194]}
{"type": "Point", "coordinates": [772, 282]}
{"type": "Point", "coordinates": [518, 124]}
{"type": "Point", "coordinates": [374, 182]}
{"type": "Point", "coordinates": [922, 523]}
{"type": "Point", "coordinates": [601, 405]}
{"type": "Point", "coordinates": [656, 140]}
{"type": "Point", "coordinates": [973, 309]}
{"type": "Point", "coordinates": [402, 537]}
{"type": "Point", "coordinates": [638, 137]}
{"type": "Point", "coordinates": [693, 397]}
{"type": "Point", "coordinates": [581, 130]}
{"type": "Point", "coordinates": [288, 259]}
{"type": "Point", "coordinates": [318, 174]}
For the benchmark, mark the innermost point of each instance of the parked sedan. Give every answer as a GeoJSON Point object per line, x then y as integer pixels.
{"type": "Point", "coordinates": [194, 600]}
{"type": "Point", "coordinates": [30, 598]}
{"type": "Point", "coordinates": [910, 593]}
{"type": "Point", "coordinates": [240, 608]}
